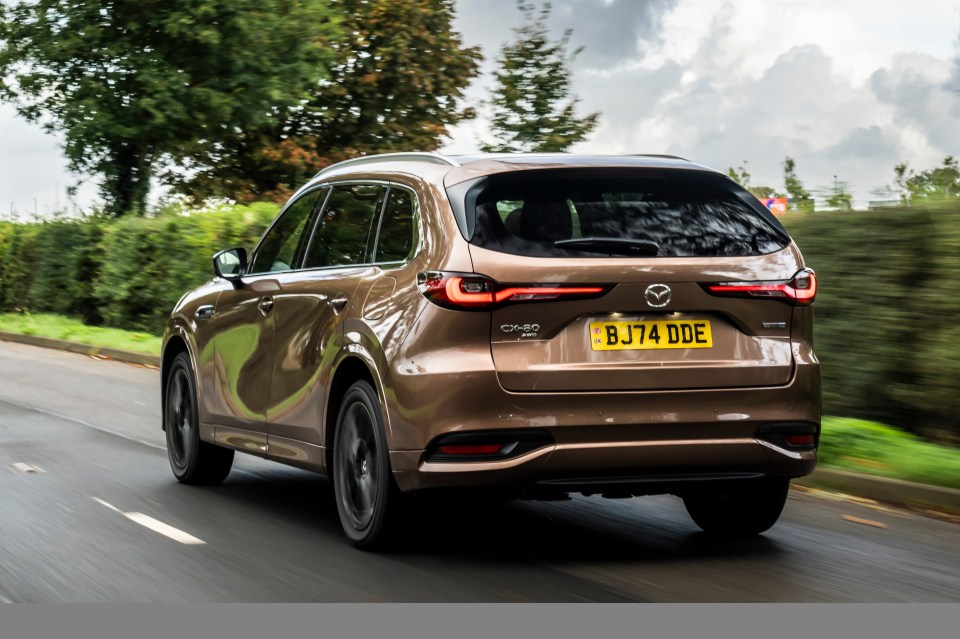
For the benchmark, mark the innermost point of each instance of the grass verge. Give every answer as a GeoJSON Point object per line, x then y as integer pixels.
{"type": "Point", "coordinates": [876, 449]}
{"type": "Point", "coordinates": [72, 330]}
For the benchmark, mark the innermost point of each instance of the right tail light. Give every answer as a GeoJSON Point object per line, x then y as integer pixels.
{"type": "Point", "coordinates": [800, 291]}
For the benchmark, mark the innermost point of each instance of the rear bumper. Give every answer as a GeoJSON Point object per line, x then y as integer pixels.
{"type": "Point", "coordinates": [641, 442]}
{"type": "Point", "coordinates": [633, 466]}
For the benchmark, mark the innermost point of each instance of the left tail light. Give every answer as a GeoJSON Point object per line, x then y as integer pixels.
{"type": "Point", "coordinates": [470, 291]}
{"type": "Point", "coordinates": [799, 291]}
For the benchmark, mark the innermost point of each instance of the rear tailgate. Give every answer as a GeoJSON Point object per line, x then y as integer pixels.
{"type": "Point", "coordinates": [695, 341]}
{"type": "Point", "coordinates": [654, 237]}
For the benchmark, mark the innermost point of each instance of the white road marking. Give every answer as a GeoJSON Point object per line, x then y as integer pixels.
{"type": "Point", "coordinates": [155, 525]}
{"type": "Point", "coordinates": [169, 531]}
{"type": "Point", "coordinates": [26, 468]}
{"type": "Point", "coordinates": [4, 599]}
{"type": "Point", "coordinates": [110, 506]}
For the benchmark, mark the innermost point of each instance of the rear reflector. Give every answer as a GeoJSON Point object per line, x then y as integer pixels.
{"type": "Point", "coordinates": [799, 440]}
{"type": "Point", "coordinates": [800, 291]}
{"type": "Point", "coordinates": [462, 291]}
{"type": "Point", "coordinates": [487, 445]}
{"type": "Point", "coordinates": [804, 435]}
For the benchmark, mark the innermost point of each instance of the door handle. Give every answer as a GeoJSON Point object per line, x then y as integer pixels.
{"type": "Point", "coordinates": [265, 305]}
{"type": "Point", "coordinates": [205, 312]}
{"type": "Point", "coordinates": [338, 303]}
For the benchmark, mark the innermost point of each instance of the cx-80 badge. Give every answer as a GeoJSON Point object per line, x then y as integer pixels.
{"type": "Point", "coordinates": [657, 295]}
{"type": "Point", "coordinates": [526, 330]}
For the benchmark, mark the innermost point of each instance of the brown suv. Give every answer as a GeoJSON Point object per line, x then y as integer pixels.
{"type": "Point", "coordinates": [538, 324]}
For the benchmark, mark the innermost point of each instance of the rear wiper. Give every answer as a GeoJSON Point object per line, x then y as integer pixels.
{"type": "Point", "coordinates": [617, 245]}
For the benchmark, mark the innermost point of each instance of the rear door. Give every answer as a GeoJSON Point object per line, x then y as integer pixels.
{"type": "Point", "coordinates": [311, 306]}
{"type": "Point", "coordinates": [654, 240]}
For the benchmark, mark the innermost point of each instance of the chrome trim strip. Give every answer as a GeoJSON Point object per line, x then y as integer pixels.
{"type": "Point", "coordinates": [792, 454]}
{"type": "Point", "coordinates": [487, 465]}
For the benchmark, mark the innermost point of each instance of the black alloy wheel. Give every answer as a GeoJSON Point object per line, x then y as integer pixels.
{"type": "Point", "coordinates": [192, 460]}
{"type": "Point", "coordinates": [365, 492]}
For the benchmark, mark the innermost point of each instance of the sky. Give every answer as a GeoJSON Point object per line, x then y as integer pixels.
{"type": "Point", "coordinates": [848, 88]}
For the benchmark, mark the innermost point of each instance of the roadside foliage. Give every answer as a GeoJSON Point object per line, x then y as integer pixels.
{"type": "Point", "coordinates": [125, 273]}
{"type": "Point", "coordinates": [876, 449]}
{"type": "Point", "coordinates": [887, 329]}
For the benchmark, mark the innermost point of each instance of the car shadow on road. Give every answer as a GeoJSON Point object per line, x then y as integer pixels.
{"type": "Point", "coordinates": [459, 526]}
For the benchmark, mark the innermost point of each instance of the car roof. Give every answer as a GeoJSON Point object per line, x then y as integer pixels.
{"type": "Point", "coordinates": [454, 169]}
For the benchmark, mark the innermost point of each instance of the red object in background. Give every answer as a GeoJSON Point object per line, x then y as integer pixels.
{"type": "Point", "coordinates": [777, 205]}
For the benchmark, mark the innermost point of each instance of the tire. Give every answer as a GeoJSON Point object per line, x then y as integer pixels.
{"type": "Point", "coordinates": [363, 484]}
{"type": "Point", "coordinates": [738, 510]}
{"type": "Point", "coordinates": [192, 460]}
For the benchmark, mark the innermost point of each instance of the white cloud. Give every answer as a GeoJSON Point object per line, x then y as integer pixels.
{"type": "Point", "coordinates": [835, 84]}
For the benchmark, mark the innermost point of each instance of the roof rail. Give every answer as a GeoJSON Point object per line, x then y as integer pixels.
{"type": "Point", "coordinates": [413, 156]}
{"type": "Point", "coordinates": [659, 155]}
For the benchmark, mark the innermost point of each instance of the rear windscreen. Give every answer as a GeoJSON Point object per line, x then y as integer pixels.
{"type": "Point", "coordinates": [581, 215]}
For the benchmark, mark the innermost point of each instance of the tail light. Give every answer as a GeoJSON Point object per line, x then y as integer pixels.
{"type": "Point", "coordinates": [462, 291]}
{"type": "Point", "coordinates": [800, 291]}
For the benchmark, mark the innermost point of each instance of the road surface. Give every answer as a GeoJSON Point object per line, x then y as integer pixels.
{"type": "Point", "coordinates": [90, 512]}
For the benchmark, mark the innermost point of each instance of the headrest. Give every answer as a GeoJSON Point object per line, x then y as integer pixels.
{"type": "Point", "coordinates": [546, 221]}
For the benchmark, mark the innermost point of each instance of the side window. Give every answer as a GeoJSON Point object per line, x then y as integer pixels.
{"type": "Point", "coordinates": [399, 230]}
{"type": "Point", "coordinates": [284, 241]}
{"type": "Point", "coordinates": [343, 230]}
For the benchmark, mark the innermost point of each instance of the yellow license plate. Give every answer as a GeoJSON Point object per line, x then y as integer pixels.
{"type": "Point", "coordinates": [621, 336]}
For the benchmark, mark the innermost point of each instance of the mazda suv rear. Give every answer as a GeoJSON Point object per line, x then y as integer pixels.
{"type": "Point", "coordinates": [532, 325]}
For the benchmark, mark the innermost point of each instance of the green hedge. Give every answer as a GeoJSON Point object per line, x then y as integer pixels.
{"type": "Point", "coordinates": [50, 267]}
{"type": "Point", "coordinates": [887, 315]}
{"type": "Point", "coordinates": [125, 274]}
{"type": "Point", "coordinates": [887, 327]}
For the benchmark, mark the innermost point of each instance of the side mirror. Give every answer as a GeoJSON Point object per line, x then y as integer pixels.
{"type": "Point", "coordinates": [230, 264]}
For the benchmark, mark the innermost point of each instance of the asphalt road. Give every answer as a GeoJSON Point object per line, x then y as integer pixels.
{"type": "Point", "coordinates": [90, 512]}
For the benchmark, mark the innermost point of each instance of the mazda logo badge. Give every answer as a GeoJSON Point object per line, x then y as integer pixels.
{"type": "Point", "coordinates": [657, 295]}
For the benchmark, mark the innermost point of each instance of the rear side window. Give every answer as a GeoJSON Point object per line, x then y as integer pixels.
{"type": "Point", "coordinates": [599, 215]}
{"type": "Point", "coordinates": [399, 230]}
{"type": "Point", "coordinates": [342, 233]}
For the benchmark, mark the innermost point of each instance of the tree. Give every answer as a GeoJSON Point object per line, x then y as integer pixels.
{"type": "Point", "coordinates": [133, 85]}
{"type": "Point", "coordinates": [838, 196]}
{"type": "Point", "coordinates": [902, 173]}
{"type": "Point", "coordinates": [741, 176]}
{"type": "Point", "coordinates": [534, 105]}
{"type": "Point", "coordinates": [799, 196]}
{"type": "Point", "coordinates": [395, 83]}
{"type": "Point", "coordinates": [764, 192]}
{"type": "Point", "coordinates": [934, 185]}
{"type": "Point", "coordinates": [841, 200]}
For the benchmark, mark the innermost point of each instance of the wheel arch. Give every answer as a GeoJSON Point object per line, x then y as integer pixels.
{"type": "Point", "coordinates": [175, 345]}
{"type": "Point", "coordinates": [351, 368]}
